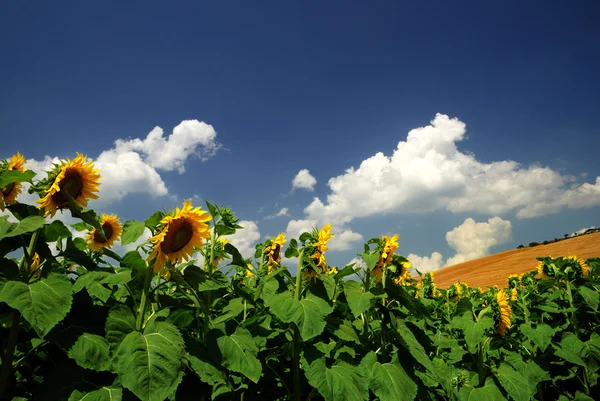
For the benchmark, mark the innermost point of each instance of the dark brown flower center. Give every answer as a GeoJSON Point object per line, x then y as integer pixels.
{"type": "Point", "coordinates": [108, 232]}
{"type": "Point", "coordinates": [276, 252]}
{"type": "Point", "coordinates": [72, 184]}
{"type": "Point", "coordinates": [8, 189]}
{"type": "Point", "coordinates": [177, 238]}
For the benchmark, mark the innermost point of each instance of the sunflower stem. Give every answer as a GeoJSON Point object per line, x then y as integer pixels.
{"type": "Point", "coordinates": [296, 343]}
{"type": "Point", "coordinates": [13, 336]}
{"type": "Point", "coordinates": [142, 310]}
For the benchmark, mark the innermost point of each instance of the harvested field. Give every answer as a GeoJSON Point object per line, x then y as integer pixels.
{"type": "Point", "coordinates": [494, 269]}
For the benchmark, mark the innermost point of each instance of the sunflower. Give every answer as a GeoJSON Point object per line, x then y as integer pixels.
{"type": "Point", "coordinates": [541, 271]}
{"type": "Point", "coordinates": [513, 281]}
{"type": "Point", "coordinates": [35, 265]}
{"type": "Point", "coordinates": [112, 228]}
{"type": "Point", "coordinates": [585, 269]}
{"type": "Point", "coordinates": [323, 236]}
{"type": "Point", "coordinates": [182, 231]}
{"type": "Point", "coordinates": [513, 294]}
{"type": "Point", "coordinates": [503, 313]}
{"type": "Point", "coordinates": [273, 252]}
{"type": "Point", "coordinates": [390, 244]}
{"type": "Point", "coordinates": [8, 194]}
{"type": "Point", "coordinates": [77, 178]}
{"type": "Point", "coordinates": [222, 241]}
{"type": "Point", "coordinates": [405, 275]}
{"type": "Point", "coordinates": [250, 270]}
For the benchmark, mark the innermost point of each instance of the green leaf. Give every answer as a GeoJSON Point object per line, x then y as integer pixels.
{"type": "Point", "coordinates": [132, 231]}
{"type": "Point", "coordinates": [341, 382]}
{"type": "Point", "coordinates": [516, 385]}
{"type": "Point", "coordinates": [579, 396]}
{"type": "Point", "coordinates": [153, 221]}
{"type": "Point", "coordinates": [210, 374]}
{"type": "Point", "coordinates": [590, 297]}
{"type": "Point", "coordinates": [346, 332]}
{"type": "Point", "coordinates": [27, 225]}
{"type": "Point", "coordinates": [56, 230]}
{"type": "Point", "coordinates": [571, 349]}
{"type": "Point", "coordinates": [413, 346]}
{"type": "Point", "coordinates": [78, 256]}
{"type": "Point", "coordinates": [238, 353]}
{"type": "Point", "coordinates": [119, 323]}
{"type": "Point", "coordinates": [12, 176]}
{"type": "Point", "coordinates": [91, 351]}
{"type": "Point", "coordinates": [201, 281]}
{"type": "Point", "coordinates": [102, 394]}
{"type": "Point", "coordinates": [540, 336]}
{"type": "Point", "coordinates": [534, 373]}
{"type": "Point", "coordinates": [150, 365]}
{"type": "Point", "coordinates": [473, 331]}
{"type": "Point", "coordinates": [92, 282]}
{"type": "Point", "coordinates": [308, 314]}
{"type": "Point", "coordinates": [81, 226]}
{"type": "Point", "coordinates": [489, 392]}
{"type": "Point", "coordinates": [358, 300]}
{"type": "Point", "coordinates": [370, 258]}
{"type": "Point", "coordinates": [390, 382]}
{"type": "Point", "coordinates": [43, 304]}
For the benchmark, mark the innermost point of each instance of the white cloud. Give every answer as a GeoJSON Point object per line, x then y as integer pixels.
{"type": "Point", "coordinates": [245, 239]}
{"type": "Point", "coordinates": [304, 180]}
{"type": "Point", "coordinates": [344, 240]}
{"type": "Point", "coordinates": [283, 212]}
{"type": "Point", "coordinates": [473, 240]}
{"type": "Point", "coordinates": [427, 172]}
{"type": "Point", "coordinates": [296, 227]}
{"type": "Point", "coordinates": [426, 264]}
{"type": "Point", "coordinates": [188, 138]}
{"type": "Point", "coordinates": [470, 240]}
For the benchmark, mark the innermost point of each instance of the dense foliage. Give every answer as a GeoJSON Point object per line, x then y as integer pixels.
{"type": "Point", "coordinates": [184, 316]}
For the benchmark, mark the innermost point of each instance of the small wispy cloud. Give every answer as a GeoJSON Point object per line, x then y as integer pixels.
{"type": "Point", "coordinates": [283, 212]}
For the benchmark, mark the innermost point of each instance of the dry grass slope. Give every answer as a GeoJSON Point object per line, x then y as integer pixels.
{"type": "Point", "coordinates": [493, 269]}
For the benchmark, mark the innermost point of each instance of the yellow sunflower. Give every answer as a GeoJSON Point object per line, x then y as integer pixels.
{"type": "Point", "coordinates": [112, 231]}
{"type": "Point", "coordinates": [182, 232]}
{"type": "Point", "coordinates": [513, 294]}
{"type": "Point", "coordinates": [223, 241]}
{"type": "Point", "coordinates": [390, 244]}
{"type": "Point", "coordinates": [540, 270]}
{"type": "Point", "coordinates": [585, 269]}
{"type": "Point", "coordinates": [76, 177]}
{"type": "Point", "coordinates": [35, 264]}
{"type": "Point", "coordinates": [273, 252]}
{"type": "Point", "coordinates": [504, 313]}
{"type": "Point", "coordinates": [250, 270]}
{"type": "Point", "coordinates": [405, 275]}
{"type": "Point", "coordinates": [323, 237]}
{"type": "Point", "coordinates": [8, 194]}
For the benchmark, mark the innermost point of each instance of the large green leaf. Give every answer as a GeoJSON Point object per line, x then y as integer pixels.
{"type": "Point", "coordinates": [27, 225]}
{"type": "Point", "coordinates": [91, 351]}
{"type": "Point", "coordinates": [43, 304]}
{"type": "Point", "coordinates": [56, 230]}
{"type": "Point", "coordinates": [308, 314]}
{"type": "Point", "coordinates": [206, 370]}
{"type": "Point", "coordinates": [489, 392]}
{"type": "Point", "coordinates": [358, 300]}
{"type": "Point", "coordinates": [390, 382]}
{"type": "Point", "coordinates": [370, 258]}
{"type": "Point", "coordinates": [590, 297]}
{"type": "Point", "coordinates": [341, 382]}
{"type": "Point", "coordinates": [202, 281]}
{"type": "Point", "coordinates": [102, 394]}
{"type": "Point", "coordinates": [12, 176]}
{"type": "Point", "coordinates": [540, 336]}
{"type": "Point", "coordinates": [516, 385]}
{"type": "Point", "coordinates": [473, 331]}
{"type": "Point", "coordinates": [238, 353]}
{"type": "Point", "coordinates": [119, 323]}
{"type": "Point", "coordinates": [132, 231]}
{"type": "Point", "coordinates": [571, 349]}
{"type": "Point", "coordinates": [95, 282]}
{"type": "Point", "coordinates": [150, 365]}
{"type": "Point", "coordinates": [413, 346]}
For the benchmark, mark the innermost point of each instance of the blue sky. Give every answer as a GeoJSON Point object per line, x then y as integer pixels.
{"type": "Point", "coordinates": [322, 86]}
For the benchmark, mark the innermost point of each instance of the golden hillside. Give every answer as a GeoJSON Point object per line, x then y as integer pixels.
{"type": "Point", "coordinates": [494, 269]}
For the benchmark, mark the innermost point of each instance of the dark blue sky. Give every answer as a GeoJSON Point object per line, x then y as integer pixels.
{"type": "Point", "coordinates": [317, 85]}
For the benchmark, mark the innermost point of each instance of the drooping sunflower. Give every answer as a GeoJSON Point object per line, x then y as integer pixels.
{"type": "Point", "coordinates": [77, 178]}
{"type": "Point", "coordinates": [503, 313]}
{"type": "Point", "coordinates": [322, 238]}
{"type": "Point", "coordinates": [404, 274]}
{"type": "Point", "coordinates": [35, 265]}
{"type": "Point", "coordinates": [585, 269]}
{"type": "Point", "coordinates": [390, 244]}
{"type": "Point", "coordinates": [513, 294]}
{"type": "Point", "coordinates": [513, 281]}
{"type": "Point", "coordinates": [8, 194]}
{"type": "Point", "coordinates": [273, 252]}
{"type": "Point", "coordinates": [182, 231]}
{"type": "Point", "coordinates": [222, 241]}
{"type": "Point", "coordinates": [112, 228]}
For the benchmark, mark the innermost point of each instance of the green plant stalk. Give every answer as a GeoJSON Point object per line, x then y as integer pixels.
{"type": "Point", "coordinates": [366, 315]}
{"type": "Point", "coordinates": [586, 383]}
{"type": "Point", "coordinates": [13, 336]}
{"type": "Point", "coordinates": [142, 311]}
{"type": "Point", "coordinates": [296, 343]}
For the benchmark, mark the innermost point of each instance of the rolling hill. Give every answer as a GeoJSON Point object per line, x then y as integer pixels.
{"type": "Point", "coordinates": [493, 269]}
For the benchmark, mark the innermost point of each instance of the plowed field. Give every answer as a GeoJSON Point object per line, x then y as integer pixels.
{"type": "Point", "coordinates": [494, 269]}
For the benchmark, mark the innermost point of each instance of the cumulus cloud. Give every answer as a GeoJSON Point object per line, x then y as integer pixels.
{"type": "Point", "coordinates": [470, 240]}
{"type": "Point", "coordinates": [427, 172]}
{"type": "Point", "coordinates": [344, 240]}
{"type": "Point", "coordinates": [245, 239]}
{"type": "Point", "coordinates": [132, 165]}
{"type": "Point", "coordinates": [426, 263]}
{"type": "Point", "coordinates": [304, 180]}
{"type": "Point", "coordinates": [296, 227]}
{"type": "Point", "coordinates": [283, 212]}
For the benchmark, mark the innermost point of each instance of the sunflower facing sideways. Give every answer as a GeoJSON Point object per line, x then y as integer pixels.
{"type": "Point", "coordinates": [502, 313]}
{"type": "Point", "coordinates": [8, 194]}
{"type": "Point", "coordinates": [112, 231]}
{"type": "Point", "coordinates": [390, 244]}
{"type": "Point", "coordinates": [77, 178]}
{"type": "Point", "coordinates": [273, 252]}
{"type": "Point", "coordinates": [182, 231]}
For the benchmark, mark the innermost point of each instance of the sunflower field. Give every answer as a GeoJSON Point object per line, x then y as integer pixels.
{"type": "Point", "coordinates": [185, 316]}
